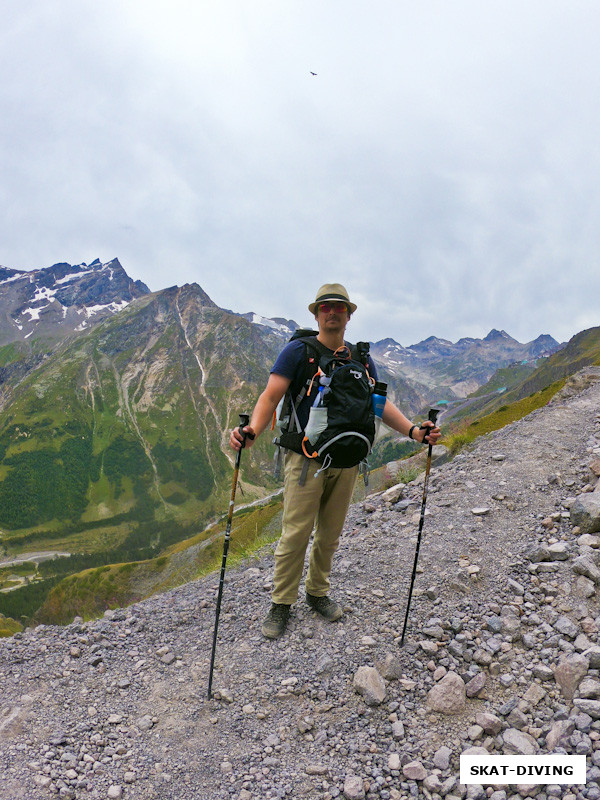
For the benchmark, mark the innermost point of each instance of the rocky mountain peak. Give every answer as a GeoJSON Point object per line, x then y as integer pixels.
{"type": "Point", "coordinates": [62, 298]}
{"type": "Point", "coordinates": [495, 335]}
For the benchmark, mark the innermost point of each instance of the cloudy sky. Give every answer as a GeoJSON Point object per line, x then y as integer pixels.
{"type": "Point", "coordinates": [443, 163]}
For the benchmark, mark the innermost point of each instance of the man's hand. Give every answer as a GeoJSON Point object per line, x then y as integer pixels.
{"type": "Point", "coordinates": [428, 434]}
{"type": "Point", "coordinates": [236, 440]}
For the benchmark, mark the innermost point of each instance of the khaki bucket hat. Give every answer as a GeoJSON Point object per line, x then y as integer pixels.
{"type": "Point", "coordinates": [332, 291]}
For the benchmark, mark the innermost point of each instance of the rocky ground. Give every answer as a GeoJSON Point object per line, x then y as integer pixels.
{"type": "Point", "coordinates": [502, 652]}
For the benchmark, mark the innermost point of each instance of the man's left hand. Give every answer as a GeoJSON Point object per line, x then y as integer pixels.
{"type": "Point", "coordinates": [429, 434]}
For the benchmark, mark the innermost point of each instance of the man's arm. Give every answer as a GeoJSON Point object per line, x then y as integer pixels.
{"type": "Point", "coordinates": [263, 412]}
{"type": "Point", "coordinates": [395, 419]}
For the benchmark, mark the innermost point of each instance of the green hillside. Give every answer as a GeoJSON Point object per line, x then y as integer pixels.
{"type": "Point", "coordinates": [115, 445]}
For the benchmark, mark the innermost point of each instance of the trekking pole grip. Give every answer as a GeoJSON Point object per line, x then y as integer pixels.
{"type": "Point", "coordinates": [244, 420]}
{"type": "Point", "coordinates": [432, 417]}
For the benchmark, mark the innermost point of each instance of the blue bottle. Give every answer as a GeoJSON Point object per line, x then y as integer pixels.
{"type": "Point", "coordinates": [379, 398]}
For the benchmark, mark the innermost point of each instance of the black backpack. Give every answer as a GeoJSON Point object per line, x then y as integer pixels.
{"type": "Point", "coordinates": [341, 425]}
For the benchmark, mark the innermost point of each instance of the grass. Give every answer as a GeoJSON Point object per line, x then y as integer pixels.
{"type": "Point", "coordinates": [9, 626]}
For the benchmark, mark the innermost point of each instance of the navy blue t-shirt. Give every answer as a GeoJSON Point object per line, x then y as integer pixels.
{"type": "Point", "coordinates": [290, 364]}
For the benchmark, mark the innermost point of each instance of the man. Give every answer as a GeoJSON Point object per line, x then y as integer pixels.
{"type": "Point", "coordinates": [321, 498]}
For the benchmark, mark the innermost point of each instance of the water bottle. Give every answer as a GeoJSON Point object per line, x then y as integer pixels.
{"type": "Point", "coordinates": [318, 401]}
{"type": "Point", "coordinates": [320, 396]}
{"type": "Point", "coordinates": [379, 398]}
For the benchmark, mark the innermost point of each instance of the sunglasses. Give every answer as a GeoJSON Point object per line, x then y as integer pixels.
{"type": "Point", "coordinates": [339, 308]}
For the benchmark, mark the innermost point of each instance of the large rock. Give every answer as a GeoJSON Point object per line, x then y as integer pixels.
{"type": "Point", "coordinates": [569, 673]}
{"type": "Point", "coordinates": [369, 683]}
{"type": "Point", "coordinates": [449, 696]}
{"type": "Point", "coordinates": [519, 743]}
{"type": "Point", "coordinates": [585, 512]}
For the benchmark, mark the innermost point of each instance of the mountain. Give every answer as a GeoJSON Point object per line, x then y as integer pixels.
{"type": "Point", "coordinates": [40, 308]}
{"type": "Point", "coordinates": [442, 370]}
{"type": "Point", "coordinates": [131, 419]}
{"type": "Point", "coordinates": [282, 328]}
{"type": "Point", "coordinates": [63, 298]}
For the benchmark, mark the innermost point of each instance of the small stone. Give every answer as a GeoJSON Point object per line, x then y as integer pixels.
{"type": "Point", "coordinates": [589, 688]}
{"type": "Point", "coordinates": [543, 672]}
{"type": "Point", "coordinates": [591, 707]}
{"type": "Point", "coordinates": [585, 512]}
{"type": "Point", "coordinates": [480, 512]}
{"type": "Point", "coordinates": [567, 627]}
{"type": "Point", "coordinates": [398, 730]}
{"type": "Point", "coordinates": [225, 694]}
{"type": "Point", "coordinates": [593, 656]}
{"type": "Point", "coordinates": [560, 730]}
{"type": "Point", "coordinates": [115, 792]}
{"type": "Point", "coordinates": [449, 695]}
{"type": "Point", "coordinates": [569, 673]}
{"type": "Point", "coordinates": [414, 771]}
{"type": "Point", "coordinates": [475, 685]}
{"type": "Point", "coordinates": [490, 723]}
{"type": "Point", "coordinates": [369, 683]}
{"type": "Point", "coordinates": [394, 761]}
{"type": "Point", "coordinates": [316, 769]}
{"type": "Point", "coordinates": [390, 667]}
{"type": "Point", "coordinates": [585, 566]}
{"type": "Point", "coordinates": [559, 551]}
{"type": "Point", "coordinates": [145, 723]}
{"type": "Point", "coordinates": [534, 694]}
{"type": "Point", "coordinates": [441, 758]}
{"type": "Point", "coordinates": [353, 788]}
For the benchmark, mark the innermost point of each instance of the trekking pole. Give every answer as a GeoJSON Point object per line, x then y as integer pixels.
{"type": "Point", "coordinates": [433, 413]}
{"type": "Point", "coordinates": [244, 419]}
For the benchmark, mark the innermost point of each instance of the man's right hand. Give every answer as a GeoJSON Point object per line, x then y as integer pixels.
{"type": "Point", "coordinates": [236, 440]}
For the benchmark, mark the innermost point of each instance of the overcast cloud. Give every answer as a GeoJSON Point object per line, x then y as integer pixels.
{"type": "Point", "coordinates": [443, 163]}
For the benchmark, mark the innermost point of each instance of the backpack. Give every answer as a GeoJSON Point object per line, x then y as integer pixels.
{"type": "Point", "coordinates": [341, 425]}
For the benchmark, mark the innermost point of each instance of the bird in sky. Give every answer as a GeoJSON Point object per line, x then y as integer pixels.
{"type": "Point", "coordinates": [313, 73]}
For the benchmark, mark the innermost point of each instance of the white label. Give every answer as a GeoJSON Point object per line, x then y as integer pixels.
{"type": "Point", "coordinates": [540, 770]}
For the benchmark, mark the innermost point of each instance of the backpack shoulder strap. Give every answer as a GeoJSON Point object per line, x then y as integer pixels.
{"type": "Point", "coordinates": [360, 352]}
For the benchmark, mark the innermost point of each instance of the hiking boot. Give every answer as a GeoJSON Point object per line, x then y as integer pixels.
{"type": "Point", "coordinates": [325, 606]}
{"type": "Point", "coordinates": [276, 621]}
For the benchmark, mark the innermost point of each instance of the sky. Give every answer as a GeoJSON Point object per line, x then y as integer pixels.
{"type": "Point", "coordinates": [443, 163]}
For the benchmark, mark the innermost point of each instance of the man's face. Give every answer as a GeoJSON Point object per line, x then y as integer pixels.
{"type": "Point", "coordinates": [332, 315]}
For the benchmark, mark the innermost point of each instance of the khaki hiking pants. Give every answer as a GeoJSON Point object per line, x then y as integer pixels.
{"type": "Point", "coordinates": [321, 503]}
